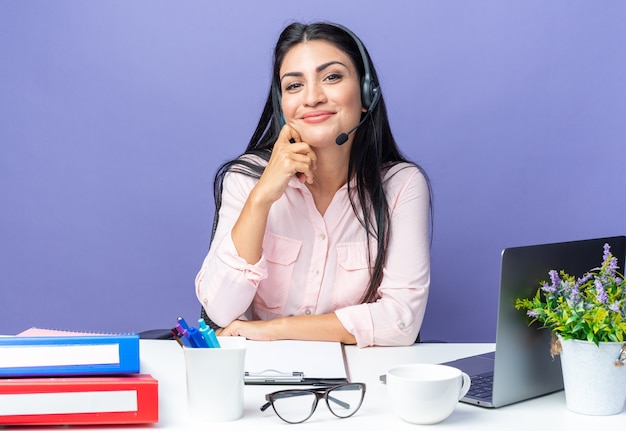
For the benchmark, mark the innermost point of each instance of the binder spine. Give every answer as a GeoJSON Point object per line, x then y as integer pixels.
{"type": "Point", "coordinates": [75, 401]}
{"type": "Point", "coordinates": [118, 354]}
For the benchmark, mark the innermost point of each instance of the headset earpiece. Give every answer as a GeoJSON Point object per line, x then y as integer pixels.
{"type": "Point", "coordinates": [370, 91]}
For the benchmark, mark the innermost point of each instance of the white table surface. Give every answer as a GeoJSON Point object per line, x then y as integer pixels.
{"type": "Point", "coordinates": [164, 360]}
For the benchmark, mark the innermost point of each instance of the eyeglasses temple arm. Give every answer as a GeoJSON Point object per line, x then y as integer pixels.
{"type": "Point", "coordinates": [341, 403]}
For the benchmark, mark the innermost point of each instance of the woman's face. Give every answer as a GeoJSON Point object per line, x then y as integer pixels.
{"type": "Point", "coordinates": [321, 94]}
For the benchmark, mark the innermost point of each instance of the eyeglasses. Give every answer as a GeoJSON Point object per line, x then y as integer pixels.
{"type": "Point", "coordinates": [297, 405]}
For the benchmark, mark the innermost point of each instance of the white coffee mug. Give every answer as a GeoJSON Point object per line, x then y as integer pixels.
{"type": "Point", "coordinates": [426, 393]}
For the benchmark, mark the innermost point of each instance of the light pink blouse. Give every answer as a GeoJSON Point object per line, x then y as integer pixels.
{"type": "Point", "coordinates": [314, 264]}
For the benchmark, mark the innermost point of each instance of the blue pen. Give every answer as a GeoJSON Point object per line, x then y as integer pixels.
{"type": "Point", "coordinates": [197, 338]}
{"type": "Point", "coordinates": [204, 332]}
{"type": "Point", "coordinates": [184, 336]}
{"type": "Point", "coordinates": [208, 334]}
{"type": "Point", "coordinates": [183, 323]}
{"type": "Point", "coordinates": [187, 332]}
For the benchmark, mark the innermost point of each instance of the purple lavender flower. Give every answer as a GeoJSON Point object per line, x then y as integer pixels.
{"type": "Point", "coordinates": [612, 266]}
{"type": "Point", "coordinates": [574, 295]}
{"type": "Point", "coordinates": [554, 277]}
{"type": "Point", "coordinates": [607, 252]}
{"type": "Point", "coordinates": [600, 293]}
{"type": "Point", "coordinates": [584, 279]}
{"type": "Point", "coordinates": [614, 306]}
{"type": "Point", "coordinates": [532, 313]}
{"type": "Point", "coordinates": [548, 288]}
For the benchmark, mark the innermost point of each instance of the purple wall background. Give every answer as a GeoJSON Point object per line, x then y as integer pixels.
{"type": "Point", "coordinates": [115, 114]}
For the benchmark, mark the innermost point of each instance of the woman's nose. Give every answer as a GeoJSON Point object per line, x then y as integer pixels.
{"type": "Point", "coordinates": [315, 94]}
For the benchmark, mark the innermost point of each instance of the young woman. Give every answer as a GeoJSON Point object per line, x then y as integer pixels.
{"type": "Point", "coordinates": [322, 226]}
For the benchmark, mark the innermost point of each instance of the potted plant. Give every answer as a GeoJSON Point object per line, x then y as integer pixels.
{"type": "Point", "coordinates": [587, 317]}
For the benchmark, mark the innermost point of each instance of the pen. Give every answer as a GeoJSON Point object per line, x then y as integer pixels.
{"type": "Point", "coordinates": [208, 334]}
{"type": "Point", "coordinates": [197, 338]}
{"type": "Point", "coordinates": [184, 336]}
{"type": "Point", "coordinates": [183, 323]}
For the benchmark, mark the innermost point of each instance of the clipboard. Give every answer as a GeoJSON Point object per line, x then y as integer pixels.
{"type": "Point", "coordinates": [273, 376]}
{"type": "Point", "coordinates": [293, 362]}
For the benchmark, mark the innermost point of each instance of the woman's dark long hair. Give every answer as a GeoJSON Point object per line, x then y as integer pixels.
{"type": "Point", "coordinates": [373, 151]}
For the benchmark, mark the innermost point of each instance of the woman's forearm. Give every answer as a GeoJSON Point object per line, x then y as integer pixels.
{"type": "Point", "coordinates": [248, 231]}
{"type": "Point", "coordinates": [324, 327]}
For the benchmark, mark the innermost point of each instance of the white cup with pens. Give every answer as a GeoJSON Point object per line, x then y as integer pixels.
{"type": "Point", "coordinates": [215, 377]}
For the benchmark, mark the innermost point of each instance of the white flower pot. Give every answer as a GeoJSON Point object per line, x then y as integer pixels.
{"type": "Point", "coordinates": [594, 384]}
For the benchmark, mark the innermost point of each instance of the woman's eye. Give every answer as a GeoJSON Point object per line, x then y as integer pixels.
{"type": "Point", "coordinates": [334, 77]}
{"type": "Point", "coordinates": [293, 86]}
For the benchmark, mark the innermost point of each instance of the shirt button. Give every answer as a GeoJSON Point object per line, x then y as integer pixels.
{"type": "Point", "coordinates": [316, 272]}
{"type": "Point", "coordinates": [322, 237]}
{"type": "Point", "coordinates": [307, 312]}
{"type": "Point", "coordinates": [401, 326]}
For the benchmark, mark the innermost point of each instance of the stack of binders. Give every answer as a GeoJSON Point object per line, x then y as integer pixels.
{"type": "Point", "coordinates": [74, 380]}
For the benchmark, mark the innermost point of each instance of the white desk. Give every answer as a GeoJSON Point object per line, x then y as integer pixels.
{"type": "Point", "coordinates": [164, 360]}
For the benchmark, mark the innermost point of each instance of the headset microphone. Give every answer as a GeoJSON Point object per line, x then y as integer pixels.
{"type": "Point", "coordinates": [341, 139]}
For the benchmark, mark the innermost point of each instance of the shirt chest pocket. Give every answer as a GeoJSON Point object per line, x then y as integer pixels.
{"type": "Point", "coordinates": [352, 273]}
{"type": "Point", "coordinates": [281, 254]}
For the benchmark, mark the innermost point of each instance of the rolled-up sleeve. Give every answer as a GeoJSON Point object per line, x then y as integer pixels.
{"type": "Point", "coordinates": [226, 283]}
{"type": "Point", "coordinates": [396, 317]}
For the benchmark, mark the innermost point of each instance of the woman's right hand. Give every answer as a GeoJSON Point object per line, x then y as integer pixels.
{"type": "Point", "coordinates": [287, 160]}
{"type": "Point", "coordinates": [290, 156]}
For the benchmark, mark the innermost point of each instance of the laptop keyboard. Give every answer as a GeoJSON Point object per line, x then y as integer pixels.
{"type": "Point", "coordinates": [482, 386]}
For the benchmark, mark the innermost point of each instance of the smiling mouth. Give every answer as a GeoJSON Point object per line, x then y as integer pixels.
{"type": "Point", "coordinates": [316, 117]}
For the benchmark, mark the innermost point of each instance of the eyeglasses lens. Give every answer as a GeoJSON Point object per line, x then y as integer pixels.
{"type": "Point", "coordinates": [294, 406]}
{"type": "Point", "coordinates": [345, 400]}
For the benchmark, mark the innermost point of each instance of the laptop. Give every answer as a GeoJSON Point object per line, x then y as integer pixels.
{"type": "Point", "coordinates": [521, 367]}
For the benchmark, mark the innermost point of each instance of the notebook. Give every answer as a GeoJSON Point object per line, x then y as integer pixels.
{"type": "Point", "coordinates": [521, 367]}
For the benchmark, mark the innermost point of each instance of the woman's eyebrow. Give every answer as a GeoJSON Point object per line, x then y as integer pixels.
{"type": "Point", "coordinates": [330, 63]}
{"type": "Point", "coordinates": [318, 69]}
